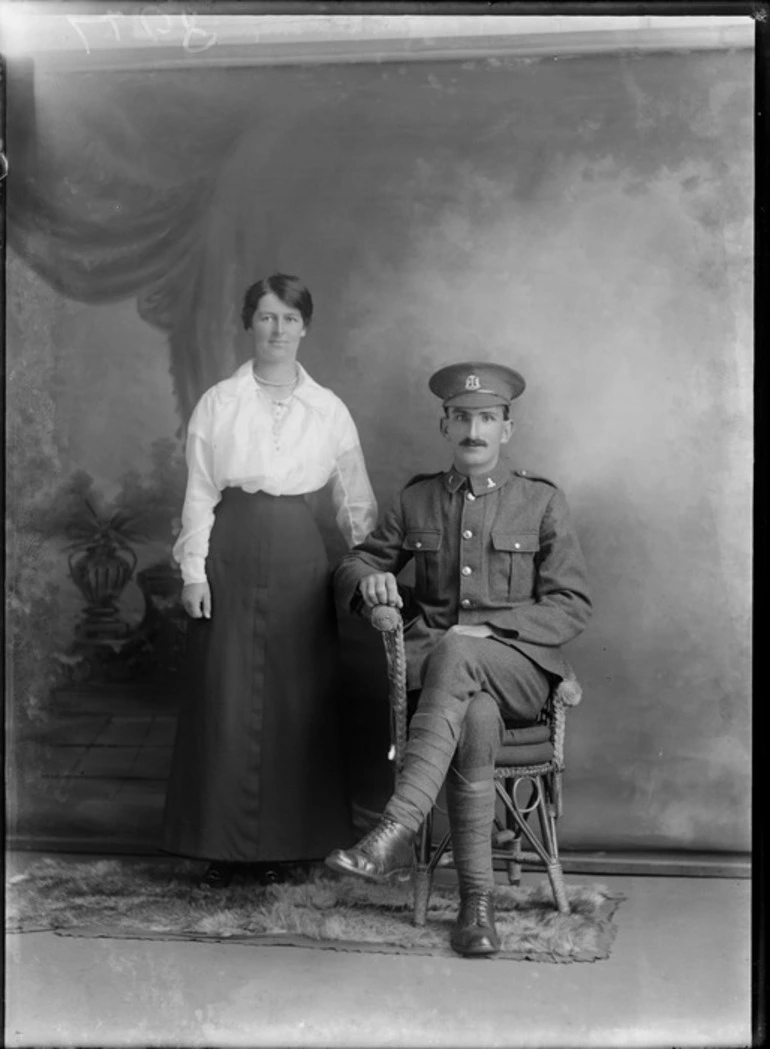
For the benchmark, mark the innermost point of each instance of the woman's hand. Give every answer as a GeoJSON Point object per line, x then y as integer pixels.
{"type": "Point", "coordinates": [196, 600]}
{"type": "Point", "coordinates": [380, 588]}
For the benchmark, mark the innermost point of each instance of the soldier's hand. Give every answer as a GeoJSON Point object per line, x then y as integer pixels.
{"type": "Point", "coordinates": [380, 588]}
{"type": "Point", "coordinates": [472, 631]}
{"type": "Point", "coordinates": [196, 600]}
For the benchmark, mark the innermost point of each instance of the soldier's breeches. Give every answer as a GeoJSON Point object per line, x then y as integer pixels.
{"type": "Point", "coordinates": [480, 739]}
{"type": "Point", "coordinates": [457, 670]}
{"type": "Point", "coordinates": [463, 666]}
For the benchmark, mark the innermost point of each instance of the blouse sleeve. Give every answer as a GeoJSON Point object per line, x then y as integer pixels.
{"type": "Point", "coordinates": [201, 497]}
{"type": "Point", "coordinates": [351, 490]}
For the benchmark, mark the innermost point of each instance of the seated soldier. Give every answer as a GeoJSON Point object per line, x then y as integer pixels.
{"type": "Point", "coordinates": [500, 586]}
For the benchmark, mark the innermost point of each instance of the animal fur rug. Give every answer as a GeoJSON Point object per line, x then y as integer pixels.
{"type": "Point", "coordinates": [129, 899]}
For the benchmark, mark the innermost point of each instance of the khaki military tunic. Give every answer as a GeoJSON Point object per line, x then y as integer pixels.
{"type": "Point", "coordinates": [497, 549]}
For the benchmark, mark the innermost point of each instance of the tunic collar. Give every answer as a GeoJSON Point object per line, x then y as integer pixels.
{"type": "Point", "coordinates": [479, 484]}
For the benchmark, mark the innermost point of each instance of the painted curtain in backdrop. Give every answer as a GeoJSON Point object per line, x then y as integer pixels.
{"type": "Point", "coordinates": [587, 221]}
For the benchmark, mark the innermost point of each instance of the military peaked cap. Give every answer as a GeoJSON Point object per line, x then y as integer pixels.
{"type": "Point", "coordinates": [476, 385]}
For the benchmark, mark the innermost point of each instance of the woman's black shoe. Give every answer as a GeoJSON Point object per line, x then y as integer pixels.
{"type": "Point", "coordinates": [271, 876]}
{"type": "Point", "coordinates": [281, 872]}
{"type": "Point", "coordinates": [217, 876]}
{"type": "Point", "coordinates": [269, 873]}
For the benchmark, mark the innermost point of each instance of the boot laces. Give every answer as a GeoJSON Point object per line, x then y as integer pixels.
{"type": "Point", "coordinates": [480, 904]}
{"type": "Point", "coordinates": [375, 836]}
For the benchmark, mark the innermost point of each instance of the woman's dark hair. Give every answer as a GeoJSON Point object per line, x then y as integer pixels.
{"type": "Point", "coordinates": [290, 290]}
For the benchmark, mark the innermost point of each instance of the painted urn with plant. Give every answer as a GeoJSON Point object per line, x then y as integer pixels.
{"type": "Point", "coordinates": [99, 539]}
{"type": "Point", "coordinates": [101, 562]}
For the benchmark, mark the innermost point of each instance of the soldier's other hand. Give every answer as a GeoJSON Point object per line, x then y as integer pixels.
{"type": "Point", "coordinates": [196, 600]}
{"type": "Point", "coordinates": [472, 631]}
{"type": "Point", "coordinates": [380, 588]}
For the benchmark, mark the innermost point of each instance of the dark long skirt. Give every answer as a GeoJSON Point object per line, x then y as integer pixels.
{"type": "Point", "coordinates": [257, 773]}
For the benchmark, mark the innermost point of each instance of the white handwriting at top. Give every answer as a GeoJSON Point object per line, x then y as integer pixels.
{"type": "Point", "coordinates": [148, 24]}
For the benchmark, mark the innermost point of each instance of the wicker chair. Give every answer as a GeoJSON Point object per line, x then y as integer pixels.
{"type": "Point", "coordinates": [532, 755]}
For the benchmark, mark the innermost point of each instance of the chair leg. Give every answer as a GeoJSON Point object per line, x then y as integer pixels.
{"type": "Point", "coordinates": [513, 866]}
{"type": "Point", "coordinates": [545, 811]}
{"type": "Point", "coordinates": [422, 883]}
{"type": "Point", "coordinates": [556, 877]}
{"type": "Point", "coordinates": [513, 862]}
{"type": "Point", "coordinates": [546, 845]}
{"type": "Point", "coordinates": [503, 837]}
{"type": "Point", "coordinates": [424, 841]}
{"type": "Point", "coordinates": [426, 860]}
{"type": "Point", "coordinates": [557, 795]}
{"type": "Point", "coordinates": [423, 872]}
{"type": "Point", "coordinates": [512, 847]}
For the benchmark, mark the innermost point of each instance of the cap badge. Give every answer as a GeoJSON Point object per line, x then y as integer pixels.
{"type": "Point", "coordinates": [473, 383]}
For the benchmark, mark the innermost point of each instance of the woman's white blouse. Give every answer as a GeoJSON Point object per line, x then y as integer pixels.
{"type": "Point", "coordinates": [238, 437]}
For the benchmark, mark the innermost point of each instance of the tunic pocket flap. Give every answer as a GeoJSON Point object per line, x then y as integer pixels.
{"type": "Point", "coordinates": [516, 542]}
{"type": "Point", "coordinates": [422, 541]}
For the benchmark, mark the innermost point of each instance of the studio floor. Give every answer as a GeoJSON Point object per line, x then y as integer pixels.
{"type": "Point", "coordinates": [678, 975]}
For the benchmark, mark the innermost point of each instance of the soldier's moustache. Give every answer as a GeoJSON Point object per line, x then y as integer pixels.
{"type": "Point", "coordinates": [470, 442]}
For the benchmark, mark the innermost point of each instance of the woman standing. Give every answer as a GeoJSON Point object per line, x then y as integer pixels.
{"type": "Point", "coordinates": [256, 774]}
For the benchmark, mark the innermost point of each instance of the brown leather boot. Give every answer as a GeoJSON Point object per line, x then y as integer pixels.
{"type": "Point", "coordinates": [383, 853]}
{"type": "Point", "coordinates": [474, 934]}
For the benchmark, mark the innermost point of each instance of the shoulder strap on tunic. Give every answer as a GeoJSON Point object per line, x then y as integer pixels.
{"type": "Point", "coordinates": [422, 477]}
{"type": "Point", "coordinates": [528, 475]}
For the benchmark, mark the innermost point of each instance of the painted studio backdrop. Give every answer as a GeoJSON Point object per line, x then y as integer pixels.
{"type": "Point", "coordinates": [586, 221]}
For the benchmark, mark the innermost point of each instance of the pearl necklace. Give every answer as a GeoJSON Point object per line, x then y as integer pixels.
{"type": "Point", "coordinates": [270, 382]}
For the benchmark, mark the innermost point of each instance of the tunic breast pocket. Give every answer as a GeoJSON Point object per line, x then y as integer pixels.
{"type": "Point", "coordinates": [425, 544]}
{"type": "Point", "coordinates": [512, 568]}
